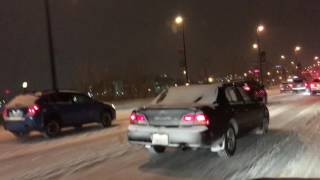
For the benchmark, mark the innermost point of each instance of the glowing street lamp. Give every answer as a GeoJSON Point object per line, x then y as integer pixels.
{"type": "Point", "coordinates": [179, 20]}
{"type": "Point", "coordinates": [283, 57]}
{"type": "Point", "coordinates": [316, 58]}
{"type": "Point", "coordinates": [25, 85]}
{"type": "Point", "coordinates": [268, 73]}
{"type": "Point", "coordinates": [255, 46]}
{"type": "Point", "coordinates": [260, 28]}
{"type": "Point", "coordinates": [297, 49]}
{"type": "Point", "coordinates": [210, 79]}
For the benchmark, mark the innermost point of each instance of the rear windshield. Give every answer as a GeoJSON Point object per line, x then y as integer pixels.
{"type": "Point", "coordinates": [298, 80]}
{"type": "Point", "coordinates": [202, 94]}
{"type": "Point", "coordinates": [22, 101]}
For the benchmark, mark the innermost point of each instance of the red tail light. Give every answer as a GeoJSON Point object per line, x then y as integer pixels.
{"type": "Point", "coordinates": [305, 84]}
{"type": "Point", "coordinates": [196, 119]}
{"type": "Point", "coordinates": [137, 118]}
{"type": "Point", "coordinates": [33, 110]}
{"type": "Point", "coordinates": [290, 85]}
{"type": "Point", "coordinates": [5, 113]}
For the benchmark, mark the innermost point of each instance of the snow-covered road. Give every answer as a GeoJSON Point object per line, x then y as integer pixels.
{"type": "Point", "coordinates": [291, 149]}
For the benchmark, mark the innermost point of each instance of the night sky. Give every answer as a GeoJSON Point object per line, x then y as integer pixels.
{"type": "Point", "coordinates": [118, 38]}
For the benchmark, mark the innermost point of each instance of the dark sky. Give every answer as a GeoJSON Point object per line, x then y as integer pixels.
{"type": "Point", "coordinates": [118, 38]}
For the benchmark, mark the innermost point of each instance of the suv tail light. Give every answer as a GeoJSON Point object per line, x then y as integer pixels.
{"type": "Point", "coordinates": [305, 84]}
{"type": "Point", "coordinates": [5, 113]}
{"type": "Point", "coordinates": [33, 110]}
{"type": "Point", "coordinates": [136, 118]}
{"type": "Point", "coordinates": [196, 119]}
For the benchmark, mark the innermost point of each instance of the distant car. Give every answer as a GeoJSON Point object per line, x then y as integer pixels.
{"type": "Point", "coordinates": [315, 87]}
{"type": "Point", "coordinates": [299, 85]}
{"type": "Point", "coordinates": [198, 116]}
{"type": "Point", "coordinates": [50, 111]}
{"type": "Point", "coordinates": [254, 89]}
{"type": "Point", "coordinates": [285, 87]}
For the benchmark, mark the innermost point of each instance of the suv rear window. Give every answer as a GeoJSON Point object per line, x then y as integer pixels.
{"type": "Point", "coordinates": [22, 101]}
{"type": "Point", "coordinates": [298, 80]}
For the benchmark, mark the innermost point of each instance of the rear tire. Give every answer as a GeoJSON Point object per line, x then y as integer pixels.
{"type": "Point", "coordinates": [157, 149]}
{"type": "Point", "coordinates": [264, 127]}
{"type": "Point", "coordinates": [230, 143]}
{"type": "Point", "coordinates": [106, 120]}
{"type": "Point", "coordinates": [52, 129]}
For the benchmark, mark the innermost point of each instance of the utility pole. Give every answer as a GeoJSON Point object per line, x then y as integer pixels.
{"type": "Point", "coordinates": [50, 45]}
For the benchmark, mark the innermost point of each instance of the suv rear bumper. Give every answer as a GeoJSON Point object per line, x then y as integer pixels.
{"type": "Point", "coordinates": [197, 136]}
{"type": "Point", "coordinates": [20, 126]}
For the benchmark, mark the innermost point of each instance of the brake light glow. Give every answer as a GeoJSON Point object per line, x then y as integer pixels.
{"type": "Point", "coordinates": [33, 110]}
{"type": "Point", "coordinates": [196, 119]}
{"type": "Point", "coordinates": [5, 113]}
{"type": "Point", "coordinates": [305, 84]}
{"type": "Point", "coordinates": [246, 88]}
{"type": "Point", "coordinates": [290, 85]}
{"type": "Point", "coordinates": [137, 118]}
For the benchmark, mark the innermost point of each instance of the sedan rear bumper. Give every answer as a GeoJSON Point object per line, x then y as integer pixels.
{"type": "Point", "coordinates": [196, 136]}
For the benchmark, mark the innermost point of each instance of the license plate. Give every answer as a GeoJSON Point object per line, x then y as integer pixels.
{"type": "Point", "coordinates": [160, 139]}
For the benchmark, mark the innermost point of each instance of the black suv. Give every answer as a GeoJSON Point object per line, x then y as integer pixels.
{"type": "Point", "coordinates": [50, 111]}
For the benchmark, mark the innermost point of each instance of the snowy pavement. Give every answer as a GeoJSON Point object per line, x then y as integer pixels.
{"type": "Point", "coordinates": [291, 149]}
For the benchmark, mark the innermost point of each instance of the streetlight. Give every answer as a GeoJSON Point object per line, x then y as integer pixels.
{"type": "Point", "coordinates": [268, 73]}
{"type": "Point", "coordinates": [316, 58]}
{"type": "Point", "coordinates": [24, 86]}
{"type": "Point", "coordinates": [210, 79]}
{"type": "Point", "coordinates": [255, 46]}
{"type": "Point", "coordinates": [283, 57]}
{"type": "Point", "coordinates": [297, 49]}
{"type": "Point", "coordinates": [260, 29]}
{"type": "Point", "coordinates": [51, 48]}
{"type": "Point", "coordinates": [179, 21]}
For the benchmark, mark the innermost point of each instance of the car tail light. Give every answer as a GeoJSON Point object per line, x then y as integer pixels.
{"type": "Point", "coordinates": [136, 118]}
{"type": "Point", "coordinates": [246, 87]}
{"type": "Point", "coordinates": [305, 84]}
{"type": "Point", "coordinates": [196, 119]}
{"type": "Point", "coordinates": [33, 110]}
{"type": "Point", "coordinates": [312, 85]}
{"type": "Point", "coordinates": [290, 85]}
{"type": "Point", "coordinates": [5, 113]}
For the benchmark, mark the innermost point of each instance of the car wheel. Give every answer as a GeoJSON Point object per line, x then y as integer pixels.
{"type": "Point", "coordinates": [230, 143]}
{"type": "Point", "coordinates": [52, 129]}
{"type": "Point", "coordinates": [157, 149]}
{"type": "Point", "coordinates": [105, 120]}
{"type": "Point", "coordinates": [264, 127]}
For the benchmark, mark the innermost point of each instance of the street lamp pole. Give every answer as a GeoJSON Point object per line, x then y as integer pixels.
{"type": "Point", "coordinates": [180, 21]}
{"type": "Point", "coordinates": [259, 29]}
{"type": "Point", "coordinates": [259, 59]}
{"type": "Point", "coordinates": [50, 45]}
{"type": "Point", "coordinates": [185, 55]}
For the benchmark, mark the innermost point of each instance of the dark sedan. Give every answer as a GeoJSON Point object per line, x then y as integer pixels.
{"type": "Point", "coordinates": [198, 116]}
{"type": "Point", "coordinates": [50, 111]}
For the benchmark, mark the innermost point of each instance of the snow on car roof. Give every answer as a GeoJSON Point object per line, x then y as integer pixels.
{"type": "Point", "coordinates": [24, 100]}
{"type": "Point", "coordinates": [201, 94]}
